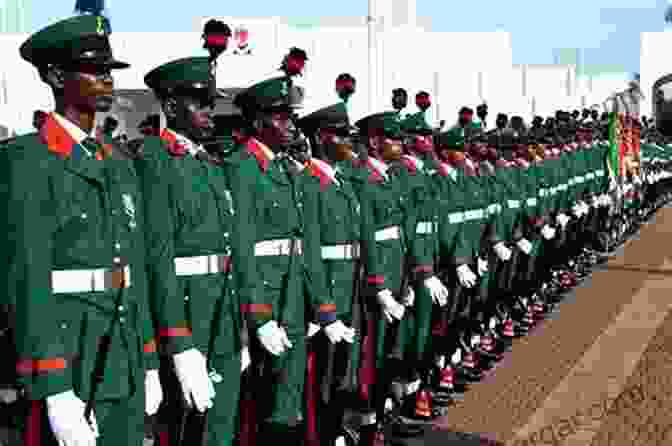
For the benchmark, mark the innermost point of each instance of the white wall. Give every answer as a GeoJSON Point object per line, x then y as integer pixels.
{"type": "Point", "coordinates": [653, 64]}
{"type": "Point", "coordinates": [455, 68]}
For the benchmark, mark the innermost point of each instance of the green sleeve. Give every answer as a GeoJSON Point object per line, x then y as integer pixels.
{"type": "Point", "coordinates": [156, 171]}
{"type": "Point", "coordinates": [43, 365]}
{"type": "Point", "coordinates": [321, 299]}
{"type": "Point", "coordinates": [375, 270]}
{"type": "Point", "coordinates": [241, 179]}
{"type": "Point", "coordinates": [421, 225]}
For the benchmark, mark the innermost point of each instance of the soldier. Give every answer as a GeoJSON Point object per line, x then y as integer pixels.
{"type": "Point", "coordinates": [150, 125]}
{"type": "Point", "coordinates": [110, 125]}
{"type": "Point", "coordinates": [455, 258]}
{"type": "Point", "coordinates": [276, 316]}
{"type": "Point", "coordinates": [77, 280]}
{"type": "Point", "coordinates": [399, 100]}
{"type": "Point", "coordinates": [482, 113]}
{"type": "Point", "coordinates": [422, 227]}
{"type": "Point", "coordinates": [495, 135]}
{"type": "Point", "coordinates": [332, 358]}
{"type": "Point", "coordinates": [39, 117]}
{"type": "Point", "coordinates": [201, 219]}
{"type": "Point", "coordinates": [384, 205]}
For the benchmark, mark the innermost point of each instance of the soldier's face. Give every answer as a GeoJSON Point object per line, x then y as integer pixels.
{"type": "Point", "coordinates": [277, 129]}
{"type": "Point", "coordinates": [399, 101]}
{"type": "Point", "coordinates": [194, 116]}
{"type": "Point", "coordinates": [89, 87]}
{"type": "Point", "coordinates": [389, 148]}
{"type": "Point", "coordinates": [421, 143]}
{"type": "Point", "coordinates": [340, 145]}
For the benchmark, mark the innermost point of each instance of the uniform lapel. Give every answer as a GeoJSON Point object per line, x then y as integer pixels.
{"type": "Point", "coordinates": [63, 145]}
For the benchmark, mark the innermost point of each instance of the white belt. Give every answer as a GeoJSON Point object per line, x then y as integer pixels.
{"type": "Point", "coordinates": [197, 265]}
{"type": "Point", "coordinates": [531, 202]}
{"type": "Point", "coordinates": [277, 248]}
{"type": "Point", "coordinates": [89, 280]}
{"type": "Point", "coordinates": [562, 187]}
{"type": "Point", "coordinates": [580, 179]}
{"type": "Point", "coordinates": [513, 204]}
{"type": "Point", "coordinates": [389, 233]}
{"type": "Point", "coordinates": [340, 252]}
{"type": "Point", "coordinates": [494, 208]}
{"type": "Point", "coordinates": [599, 173]}
{"type": "Point", "coordinates": [543, 192]}
{"type": "Point", "coordinates": [473, 214]}
{"type": "Point", "coordinates": [455, 217]}
{"type": "Point", "coordinates": [424, 227]}
{"type": "Point", "coordinates": [572, 181]}
{"type": "Point", "coordinates": [554, 190]}
{"type": "Point", "coordinates": [590, 176]}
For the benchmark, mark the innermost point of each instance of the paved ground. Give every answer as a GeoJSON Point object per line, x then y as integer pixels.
{"type": "Point", "coordinates": [600, 374]}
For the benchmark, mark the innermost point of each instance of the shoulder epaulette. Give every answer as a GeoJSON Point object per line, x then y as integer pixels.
{"type": "Point", "coordinates": [411, 164]}
{"type": "Point", "coordinates": [261, 152]}
{"type": "Point", "coordinates": [322, 171]}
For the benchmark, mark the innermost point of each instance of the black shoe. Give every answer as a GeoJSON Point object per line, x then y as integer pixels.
{"type": "Point", "coordinates": [405, 427]}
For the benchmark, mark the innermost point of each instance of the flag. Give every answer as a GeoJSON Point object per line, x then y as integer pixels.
{"type": "Point", "coordinates": [614, 159]}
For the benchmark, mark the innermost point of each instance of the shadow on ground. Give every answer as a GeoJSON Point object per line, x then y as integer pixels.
{"type": "Point", "coordinates": [443, 437]}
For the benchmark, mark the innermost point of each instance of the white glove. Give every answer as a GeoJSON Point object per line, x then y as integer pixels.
{"type": "Point", "coordinates": [547, 232]}
{"type": "Point", "coordinates": [457, 356]}
{"type": "Point", "coordinates": [66, 418]}
{"type": "Point", "coordinates": [466, 276]}
{"type": "Point", "coordinates": [337, 332]}
{"type": "Point", "coordinates": [503, 253]}
{"type": "Point", "coordinates": [562, 220]}
{"type": "Point", "coordinates": [586, 208]}
{"type": "Point", "coordinates": [524, 245]}
{"type": "Point", "coordinates": [391, 308]}
{"type": "Point", "coordinates": [192, 372]}
{"type": "Point", "coordinates": [312, 330]}
{"type": "Point", "coordinates": [409, 300]}
{"type": "Point", "coordinates": [437, 289]}
{"type": "Point", "coordinates": [576, 210]}
{"type": "Point", "coordinates": [637, 181]}
{"type": "Point", "coordinates": [153, 392]}
{"type": "Point", "coordinates": [596, 202]}
{"type": "Point", "coordinates": [273, 338]}
{"type": "Point", "coordinates": [481, 266]}
{"type": "Point", "coordinates": [245, 359]}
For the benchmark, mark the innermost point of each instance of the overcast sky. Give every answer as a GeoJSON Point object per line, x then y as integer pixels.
{"type": "Point", "coordinates": [606, 30]}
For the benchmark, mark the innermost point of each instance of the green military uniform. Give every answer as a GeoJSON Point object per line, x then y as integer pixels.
{"type": "Point", "coordinates": [337, 236]}
{"type": "Point", "coordinates": [535, 217]}
{"type": "Point", "coordinates": [280, 199]}
{"type": "Point", "coordinates": [78, 262]}
{"type": "Point", "coordinates": [384, 205]}
{"type": "Point", "coordinates": [510, 182]}
{"type": "Point", "coordinates": [454, 247]}
{"type": "Point", "coordinates": [199, 221]}
{"type": "Point", "coordinates": [425, 181]}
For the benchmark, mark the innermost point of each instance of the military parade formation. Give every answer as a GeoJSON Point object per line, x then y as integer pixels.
{"type": "Point", "coordinates": [281, 275]}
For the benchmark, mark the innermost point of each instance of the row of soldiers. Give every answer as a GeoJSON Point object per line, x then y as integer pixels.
{"type": "Point", "coordinates": [274, 277]}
